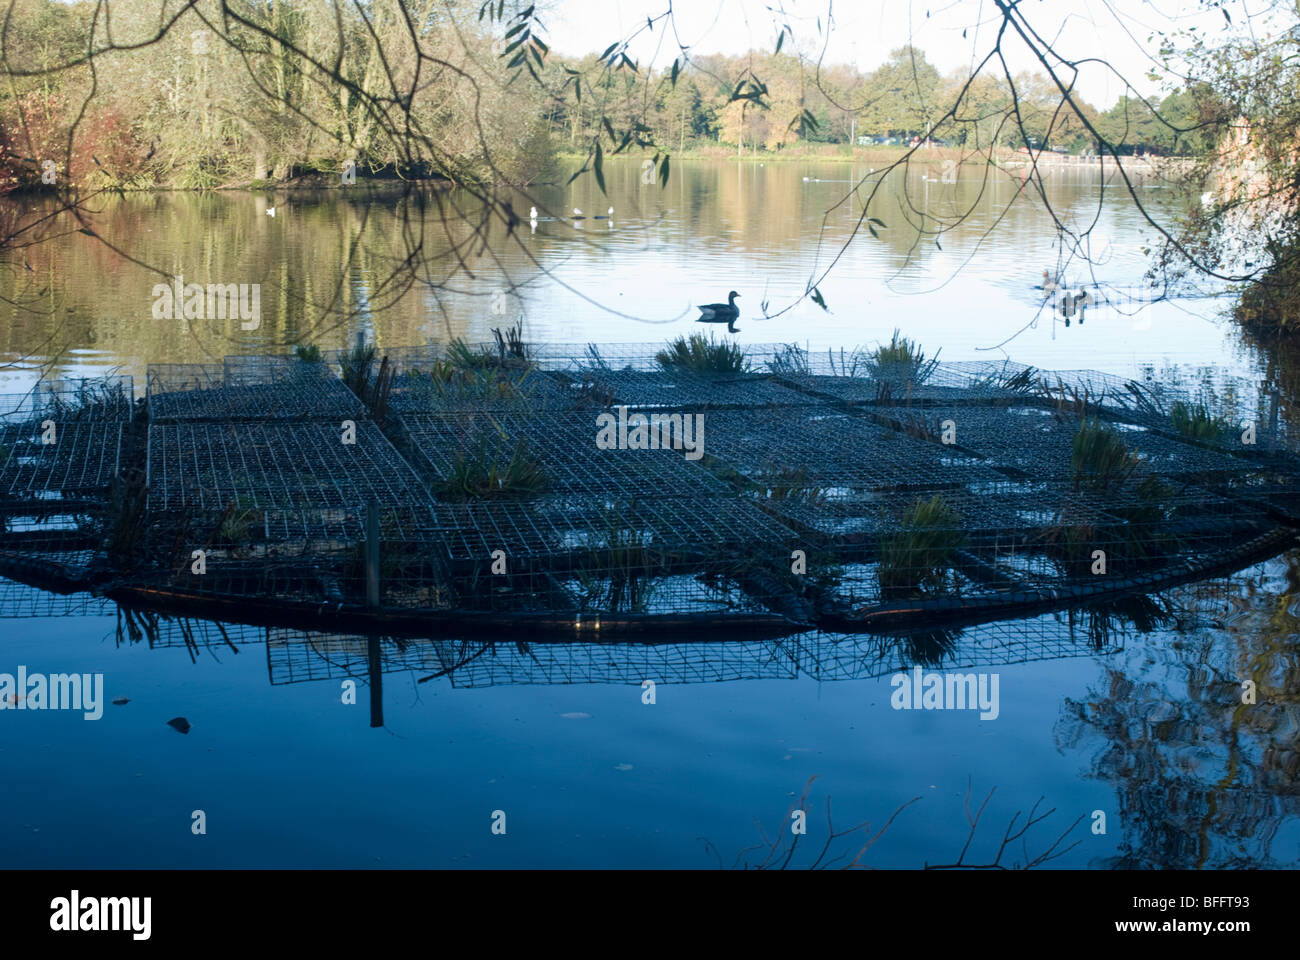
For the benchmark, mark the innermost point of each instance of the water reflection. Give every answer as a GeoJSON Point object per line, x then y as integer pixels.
{"type": "Point", "coordinates": [401, 269]}
{"type": "Point", "coordinates": [1203, 780]}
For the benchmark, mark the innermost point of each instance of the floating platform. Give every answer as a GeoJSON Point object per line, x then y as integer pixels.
{"type": "Point", "coordinates": [429, 490]}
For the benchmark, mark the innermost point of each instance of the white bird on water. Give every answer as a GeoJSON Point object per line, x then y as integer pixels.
{"type": "Point", "coordinates": [270, 211]}
{"type": "Point", "coordinates": [578, 214]}
{"type": "Point", "coordinates": [532, 213]}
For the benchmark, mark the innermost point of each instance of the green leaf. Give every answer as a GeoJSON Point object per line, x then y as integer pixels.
{"type": "Point", "coordinates": [877, 221]}
{"type": "Point", "coordinates": [597, 166]}
{"type": "Point", "coordinates": [542, 44]}
{"type": "Point", "coordinates": [576, 174]}
{"type": "Point", "coordinates": [663, 172]}
{"type": "Point", "coordinates": [676, 70]}
{"type": "Point", "coordinates": [937, 243]}
{"type": "Point", "coordinates": [780, 39]}
{"type": "Point", "coordinates": [608, 129]}
{"type": "Point", "coordinates": [817, 299]}
{"type": "Point", "coordinates": [608, 50]}
{"type": "Point", "coordinates": [515, 29]}
{"type": "Point", "coordinates": [873, 231]}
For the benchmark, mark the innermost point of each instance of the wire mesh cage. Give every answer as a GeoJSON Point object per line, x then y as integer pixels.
{"type": "Point", "coordinates": [252, 388]}
{"type": "Point", "coordinates": [694, 483]}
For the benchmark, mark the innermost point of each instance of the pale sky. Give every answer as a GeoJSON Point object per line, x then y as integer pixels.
{"type": "Point", "coordinates": [864, 31]}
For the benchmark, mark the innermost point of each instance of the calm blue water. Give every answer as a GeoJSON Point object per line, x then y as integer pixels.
{"type": "Point", "coordinates": [589, 776]}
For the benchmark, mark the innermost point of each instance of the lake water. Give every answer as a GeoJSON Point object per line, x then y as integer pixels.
{"type": "Point", "coordinates": [1128, 726]}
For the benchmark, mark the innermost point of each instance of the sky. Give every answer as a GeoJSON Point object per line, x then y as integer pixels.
{"type": "Point", "coordinates": [863, 32]}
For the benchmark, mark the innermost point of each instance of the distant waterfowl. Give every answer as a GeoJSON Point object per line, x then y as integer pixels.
{"type": "Point", "coordinates": [608, 215]}
{"type": "Point", "coordinates": [578, 214]}
{"type": "Point", "coordinates": [270, 211]}
{"type": "Point", "coordinates": [1048, 286]}
{"type": "Point", "coordinates": [532, 213]}
{"type": "Point", "coordinates": [726, 313]}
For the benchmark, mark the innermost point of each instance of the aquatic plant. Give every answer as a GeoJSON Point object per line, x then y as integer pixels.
{"type": "Point", "coordinates": [698, 354]}
{"type": "Point", "coordinates": [510, 344]}
{"type": "Point", "coordinates": [238, 522]}
{"type": "Point", "coordinates": [1196, 422]}
{"type": "Point", "coordinates": [1099, 458]}
{"type": "Point", "coordinates": [481, 474]}
{"type": "Point", "coordinates": [355, 365]}
{"type": "Point", "coordinates": [918, 556]}
{"type": "Point", "coordinates": [1023, 381]}
{"type": "Point", "coordinates": [788, 484]}
{"type": "Point", "coordinates": [900, 361]}
{"type": "Point", "coordinates": [790, 361]}
{"type": "Point", "coordinates": [461, 356]}
{"type": "Point", "coordinates": [616, 571]}
{"type": "Point", "coordinates": [307, 353]}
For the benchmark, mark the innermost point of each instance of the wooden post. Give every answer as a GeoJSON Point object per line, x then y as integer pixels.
{"type": "Point", "coordinates": [372, 555]}
{"type": "Point", "coordinates": [376, 681]}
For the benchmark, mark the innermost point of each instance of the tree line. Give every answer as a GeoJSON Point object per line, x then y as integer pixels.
{"type": "Point", "coordinates": [229, 94]}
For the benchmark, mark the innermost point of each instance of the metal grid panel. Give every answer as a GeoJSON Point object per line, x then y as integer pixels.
{"type": "Point", "coordinates": [677, 389]}
{"type": "Point", "coordinates": [834, 449]}
{"type": "Point", "coordinates": [81, 462]}
{"type": "Point", "coordinates": [1036, 441]}
{"type": "Point", "coordinates": [564, 445]}
{"type": "Point", "coordinates": [73, 400]}
{"type": "Point", "coordinates": [417, 391]}
{"type": "Point", "coordinates": [256, 388]}
{"type": "Point", "coordinates": [471, 531]}
{"type": "Point", "coordinates": [208, 466]}
{"type": "Point", "coordinates": [580, 357]}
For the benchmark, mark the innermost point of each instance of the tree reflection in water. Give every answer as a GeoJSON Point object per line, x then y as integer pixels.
{"type": "Point", "coordinates": [1203, 780]}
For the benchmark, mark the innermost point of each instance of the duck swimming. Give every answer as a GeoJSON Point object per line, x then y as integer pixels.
{"type": "Point", "coordinates": [726, 313]}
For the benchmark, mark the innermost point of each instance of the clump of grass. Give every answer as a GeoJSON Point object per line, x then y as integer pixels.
{"type": "Point", "coordinates": [307, 353]}
{"type": "Point", "coordinates": [616, 571]}
{"type": "Point", "coordinates": [700, 354]}
{"type": "Point", "coordinates": [1022, 381]}
{"type": "Point", "coordinates": [918, 556]}
{"type": "Point", "coordinates": [510, 344]}
{"type": "Point", "coordinates": [238, 523]}
{"type": "Point", "coordinates": [1195, 422]}
{"type": "Point", "coordinates": [789, 484]}
{"type": "Point", "coordinates": [355, 365]}
{"type": "Point", "coordinates": [900, 361]}
{"type": "Point", "coordinates": [481, 474]}
{"type": "Point", "coordinates": [462, 357]}
{"type": "Point", "coordinates": [1099, 458]}
{"type": "Point", "coordinates": [789, 361]}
